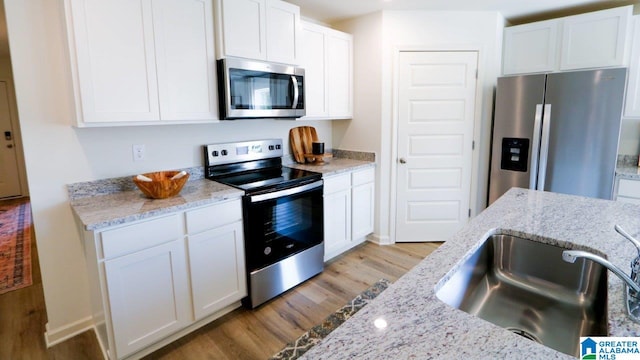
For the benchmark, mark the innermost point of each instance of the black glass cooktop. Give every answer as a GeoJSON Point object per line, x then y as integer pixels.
{"type": "Point", "coordinates": [267, 179]}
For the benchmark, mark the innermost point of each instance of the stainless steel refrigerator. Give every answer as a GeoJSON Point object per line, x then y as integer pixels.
{"type": "Point", "coordinates": [557, 132]}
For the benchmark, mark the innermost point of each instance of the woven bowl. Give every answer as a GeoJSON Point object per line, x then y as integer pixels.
{"type": "Point", "coordinates": [162, 186]}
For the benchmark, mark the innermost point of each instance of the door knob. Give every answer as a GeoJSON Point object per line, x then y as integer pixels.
{"type": "Point", "coordinates": [402, 161]}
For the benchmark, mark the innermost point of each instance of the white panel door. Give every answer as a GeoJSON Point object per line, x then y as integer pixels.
{"type": "Point", "coordinates": [9, 179]}
{"type": "Point", "coordinates": [283, 32]}
{"type": "Point", "coordinates": [115, 60]}
{"type": "Point", "coordinates": [217, 268]}
{"type": "Point", "coordinates": [148, 295]}
{"type": "Point", "coordinates": [186, 59]}
{"type": "Point", "coordinates": [632, 106]}
{"type": "Point", "coordinates": [436, 102]}
{"type": "Point", "coordinates": [244, 25]}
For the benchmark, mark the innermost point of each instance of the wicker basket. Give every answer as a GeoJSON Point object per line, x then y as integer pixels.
{"type": "Point", "coordinates": [161, 186]}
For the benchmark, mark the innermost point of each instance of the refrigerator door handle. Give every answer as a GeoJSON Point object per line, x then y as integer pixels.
{"type": "Point", "coordinates": [544, 146]}
{"type": "Point", "coordinates": [535, 148]}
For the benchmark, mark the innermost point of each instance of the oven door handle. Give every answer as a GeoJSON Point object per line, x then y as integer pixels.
{"type": "Point", "coordinates": [286, 192]}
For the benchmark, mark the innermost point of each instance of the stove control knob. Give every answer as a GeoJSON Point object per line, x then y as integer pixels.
{"type": "Point", "coordinates": [278, 147]}
{"type": "Point", "coordinates": [224, 152]}
{"type": "Point", "coordinates": [271, 147]}
{"type": "Point", "coordinates": [267, 250]}
{"type": "Point", "coordinates": [214, 153]}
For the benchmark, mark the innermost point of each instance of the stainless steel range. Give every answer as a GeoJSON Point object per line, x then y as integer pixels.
{"type": "Point", "coordinates": [282, 212]}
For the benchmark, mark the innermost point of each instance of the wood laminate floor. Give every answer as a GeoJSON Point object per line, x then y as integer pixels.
{"type": "Point", "coordinates": [241, 334]}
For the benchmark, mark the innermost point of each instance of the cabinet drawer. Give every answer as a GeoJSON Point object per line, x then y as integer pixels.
{"type": "Point", "coordinates": [141, 235]}
{"type": "Point", "coordinates": [363, 176]}
{"type": "Point", "coordinates": [337, 183]}
{"type": "Point", "coordinates": [213, 216]}
{"type": "Point", "coordinates": [629, 188]}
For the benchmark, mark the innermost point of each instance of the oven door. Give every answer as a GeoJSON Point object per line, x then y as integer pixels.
{"type": "Point", "coordinates": [282, 223]}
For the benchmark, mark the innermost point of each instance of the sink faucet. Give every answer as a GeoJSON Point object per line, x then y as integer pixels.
{"type": "Point", "coordinates": [632, 282]}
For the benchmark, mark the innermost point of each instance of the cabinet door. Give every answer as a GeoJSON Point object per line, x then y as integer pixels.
{"type": "Point", "coordinates": [156, 276]}
{"type": "Point", "coordinates": [632, 106]}
{"type": "Point", "coordinates": [362, 202]}
{"type": "Point", "coordinates": [244, 28]}
{"type": "Point", "coordinates": [596, 39]}
{"type": "Point", "coordinates": [114, 60]}
{"type": "Point", "coordinates": [315, 70]}
{"type": "Point", "coordinates": [217, 268]}
{"type": "Point", "coordinates": [283, 32]}
{"type": "Point", "coordinates": [530, 48]}
{"type": "Point", "coordinates": [340, 79]}
{"type": "Point", "coordinates": [337, 222]}
{"type": "Point", "coordinates": [186, 59]}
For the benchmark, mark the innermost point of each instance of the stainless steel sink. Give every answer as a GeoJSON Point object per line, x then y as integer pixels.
{"type": "Point", "coordinates": [525, 287]}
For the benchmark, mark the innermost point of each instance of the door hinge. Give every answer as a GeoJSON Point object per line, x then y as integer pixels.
{"type": "Point", "coordinates": [469, 212]}
{"type": "Point", "coordinates": [476, 73]}
{"type": "Point", "coordinates": [473, 144]}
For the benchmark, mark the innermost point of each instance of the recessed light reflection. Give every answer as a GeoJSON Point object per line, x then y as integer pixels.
{"type": "Point", "coordinates": [380, 323]}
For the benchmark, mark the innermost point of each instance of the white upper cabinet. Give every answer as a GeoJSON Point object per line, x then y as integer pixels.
{"type": "Point", "coordinates": [591, 40]}
{"type": "Point", "coordinates": [595, 39]}
{"type": "Point", "coordinates": [531, 47]}
{"type": "Point", "coordinates": [259, 29]}
{"type": "Point", "coordinates": [242, 28]}
{"type": "Point", "coordinates": [142, 61]}
{"type": "Point", "coordinates": [327, 58]}
{"type": "Point", "coordinates": [632, 106]}
{"type": "Point", "coordinates": [185, 59]}
{"type": "Point", "coordinates": [340, 83]}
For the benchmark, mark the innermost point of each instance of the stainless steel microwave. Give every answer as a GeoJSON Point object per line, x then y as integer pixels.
{"type": "Point", "coordinates": [254, 89]}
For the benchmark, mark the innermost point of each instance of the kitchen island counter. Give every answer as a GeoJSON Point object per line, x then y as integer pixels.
{"type": "Point", "coordinates": [420, 326]}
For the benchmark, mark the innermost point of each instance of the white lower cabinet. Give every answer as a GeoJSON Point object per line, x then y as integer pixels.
{"type": "Point", "coordinates": [348, 210]}
{"type": "Point", "coordinates": [628, 191]}
{"type": "Point", "coordinates": [148, 295]}
{"type": "Point", "coordinates": [155, 280]}
{"type": "Point", "coordinates": [217, 268]}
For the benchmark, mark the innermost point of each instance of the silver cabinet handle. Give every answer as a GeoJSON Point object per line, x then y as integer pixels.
{"type": "Point", "coordinates": [402, 161]}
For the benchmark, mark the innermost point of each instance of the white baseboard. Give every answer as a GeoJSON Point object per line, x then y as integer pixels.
{"type": "Point", "coordinates": [55, 336]}
{"type": "Point", "coordinates": [380, 240]}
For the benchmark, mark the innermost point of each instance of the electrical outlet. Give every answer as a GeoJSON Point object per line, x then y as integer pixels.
{"type": "Point", "coordinates": [138, 152]}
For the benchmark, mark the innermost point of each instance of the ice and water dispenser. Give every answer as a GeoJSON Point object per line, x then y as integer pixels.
{"type": "Point", "coordinates": [515, 154]}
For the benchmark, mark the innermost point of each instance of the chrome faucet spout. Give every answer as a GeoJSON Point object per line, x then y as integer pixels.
{"type": "Point", "coordinates": [627, 236]}
{"type": "Point", "coordinates": [570, 256]}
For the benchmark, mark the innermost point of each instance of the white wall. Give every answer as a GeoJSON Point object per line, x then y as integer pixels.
{"type": "Point", "coordinates": [58, 154]}
{"type": "Point", "coordinates": [426, 30]}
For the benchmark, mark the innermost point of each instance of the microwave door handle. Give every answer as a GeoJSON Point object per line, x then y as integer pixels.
{"type": "Point", "coordinates": [296, 94]}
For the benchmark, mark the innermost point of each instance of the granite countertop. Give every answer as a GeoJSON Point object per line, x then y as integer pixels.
{"type": "Point", "coordinates": [97, 212]}
{"type": "Point", "coordinates": [334, 166]}
{"type": "Point", "coordinates": [420, 326]}
{"type": "Point", "coordinates": [628, 172]}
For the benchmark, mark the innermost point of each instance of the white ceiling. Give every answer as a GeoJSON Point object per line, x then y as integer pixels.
{"type": "Point", "coordinates": [329, 11]}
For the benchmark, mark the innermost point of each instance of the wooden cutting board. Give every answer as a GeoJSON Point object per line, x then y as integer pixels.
{"type": "Point", "coordinates": [301, 138]}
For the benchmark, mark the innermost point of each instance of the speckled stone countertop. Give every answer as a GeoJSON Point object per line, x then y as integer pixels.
{"type": "Point", "coordinates": [97, 212]}
{"type": "Point", "coordinates": [628, 172]}
{"type": "Point", "coordinates": [335, 166]}
{"type": "Point", "coordinates": [420, 326]}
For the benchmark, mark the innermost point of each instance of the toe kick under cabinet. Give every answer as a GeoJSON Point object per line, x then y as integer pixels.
{"type": "Point", "coordinates": [156, 280]}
